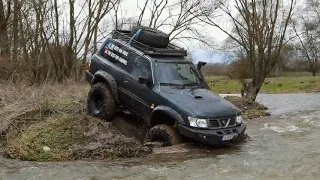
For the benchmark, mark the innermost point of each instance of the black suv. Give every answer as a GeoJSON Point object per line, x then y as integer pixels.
{"type": "Point", "coordinates": [160, 86]}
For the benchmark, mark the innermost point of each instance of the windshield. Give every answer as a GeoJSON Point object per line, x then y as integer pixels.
{"type": "Point", "coordinates": [176, 73]}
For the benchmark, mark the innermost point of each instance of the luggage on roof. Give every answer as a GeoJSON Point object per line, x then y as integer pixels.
{"type": "Point", "coordinates": [149, 41]}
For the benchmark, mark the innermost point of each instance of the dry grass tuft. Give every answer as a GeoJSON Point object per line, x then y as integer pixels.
{"type": "Point", "coordinates": [19, 100]}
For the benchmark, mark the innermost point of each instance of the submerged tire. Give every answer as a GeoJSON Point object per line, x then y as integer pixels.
{"type": "Point", "coordinates": [165, 134]}
{"type": "Point", "coordinates": [101, 103]}
{"type": "Point", "coordinates": [151, 37]}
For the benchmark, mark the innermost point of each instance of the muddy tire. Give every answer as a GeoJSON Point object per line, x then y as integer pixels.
{"type": "Point", "coordinates": [101, 103]}
{"type": "Point", "coordinates": [151, 37]}
{"type": "Point", "coordinates": [165, 134]}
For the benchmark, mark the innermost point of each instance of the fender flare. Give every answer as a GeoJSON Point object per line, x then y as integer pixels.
{"type": "Point", "coordinates": [168, 111]}
{"type": "Point", "coordinates": [111, 82]}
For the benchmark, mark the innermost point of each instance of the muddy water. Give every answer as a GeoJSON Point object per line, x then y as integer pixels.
{"type": "Point", "coordinates": [283, 146]}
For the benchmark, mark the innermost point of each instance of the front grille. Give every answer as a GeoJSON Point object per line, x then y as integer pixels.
{"type": "Point", "coordinates": [222, 123]}
{"type": "Point", "coordinates": [232, 121]}
{"type": "Point", "coordinates": [214, 123]}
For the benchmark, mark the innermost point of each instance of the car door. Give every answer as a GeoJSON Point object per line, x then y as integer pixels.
{"type": "Point", "coordinates": [125, 94]}
{"type": "Point", "coordinates": [140, 94]}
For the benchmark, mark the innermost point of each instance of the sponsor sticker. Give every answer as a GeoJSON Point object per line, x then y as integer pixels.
{"type": "Point", "coordinates": [111, 47]}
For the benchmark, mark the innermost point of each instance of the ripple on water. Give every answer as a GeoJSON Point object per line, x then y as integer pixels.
{"type": "Point", "coordinates": [283, 128]}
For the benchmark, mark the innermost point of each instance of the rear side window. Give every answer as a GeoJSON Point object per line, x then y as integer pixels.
{"type": "Point", "coordinates": [115, 53]}
{"type": "Point", "coordinates": [141, 67]}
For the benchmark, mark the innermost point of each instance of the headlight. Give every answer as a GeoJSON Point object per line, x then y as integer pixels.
{"type": "Point", "coordinates": [195, 122]}
{"type": "Point", "coordinates": [202, 123]}
{"type": "Point", "coordinates": [239, 119]}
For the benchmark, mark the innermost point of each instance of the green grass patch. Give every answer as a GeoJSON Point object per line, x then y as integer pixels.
{"type": "Point", "coordinates": [291, 83]}
{"type": "Point", "coordinates": [296, 74]}
{"type": "Point", "coordinates": [58, 133]}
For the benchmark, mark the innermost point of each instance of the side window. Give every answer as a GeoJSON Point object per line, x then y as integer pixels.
{"type": "Point", "coordinates": [141, 67]}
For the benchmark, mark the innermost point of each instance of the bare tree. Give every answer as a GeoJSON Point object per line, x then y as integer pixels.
{"type": "Point", "coordinates": [259, 28]}
{"type": "Point", "coordinates": [308, 34]}
{"type": "Point", "coordinates": [50, 37]}
{"type": "Point", "coordinates": [181, 17]}
{"type": "Point", "coordinates": [97, 10]}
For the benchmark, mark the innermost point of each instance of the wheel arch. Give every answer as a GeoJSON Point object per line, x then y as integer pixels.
{"type": "Point", "coordinates": [165, 115]}
{"type": "Point", "coordinates": [102, 76]}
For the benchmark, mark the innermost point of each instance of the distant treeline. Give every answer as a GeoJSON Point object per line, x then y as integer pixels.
{"type": "Point", "coordinates": [230, 69]}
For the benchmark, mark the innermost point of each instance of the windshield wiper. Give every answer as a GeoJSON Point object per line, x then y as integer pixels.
{"type": "Point", "coordinates": [195, 84]}
{"type": "Point", "coordinates": [192, 84]}
{"type": "Point", "coordinates": [172, 84]}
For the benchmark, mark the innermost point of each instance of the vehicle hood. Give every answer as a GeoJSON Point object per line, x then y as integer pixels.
{"type": "Point", "coordinates": [202, 102]}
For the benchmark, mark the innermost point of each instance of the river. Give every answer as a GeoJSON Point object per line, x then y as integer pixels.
{"type": "Point", "coordinates": [285, 145]}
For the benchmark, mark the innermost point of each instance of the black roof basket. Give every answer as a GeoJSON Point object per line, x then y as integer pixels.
{"type": "Point", "coordinates": [171, 50]}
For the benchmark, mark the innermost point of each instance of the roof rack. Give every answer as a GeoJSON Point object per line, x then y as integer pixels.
{"type": "Point", "coordinates": [170, 50]}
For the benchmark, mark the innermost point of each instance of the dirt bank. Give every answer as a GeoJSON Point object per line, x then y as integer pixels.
{"type": "Point", "coordinates": [56, 127]}
{"type": "Point", "coordinates": [249, 109]}
{"type": "Point", "coordinates": [63, 137]}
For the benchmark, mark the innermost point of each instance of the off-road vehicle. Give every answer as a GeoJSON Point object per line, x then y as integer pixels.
{"type": "Point", "coordinates": [155, 80]}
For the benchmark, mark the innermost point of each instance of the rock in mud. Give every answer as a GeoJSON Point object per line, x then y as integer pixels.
{"type": "Point", "coordinates": [46, 148]}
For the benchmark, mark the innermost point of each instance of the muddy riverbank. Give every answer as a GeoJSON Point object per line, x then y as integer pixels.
{"type": "Point", "coordinates": [59, 129]}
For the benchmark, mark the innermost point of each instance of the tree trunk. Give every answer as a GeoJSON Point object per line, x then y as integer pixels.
{"type": "Point", "coordinates": [314, 72]}
{"type": "Point", "coordinates": [253, 88]}
{"type": "Point", "coordinates": [15, 29]}
{"type": "Point", "coordinates": [4, 45]}
{"type": "Point", "coordinates": [313, 67]}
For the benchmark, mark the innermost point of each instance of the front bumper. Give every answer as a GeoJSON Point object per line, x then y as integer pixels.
{"type": "Point", "coordinates": [88, 76]}
{"type": "Point", "coordinates": [211, 136]}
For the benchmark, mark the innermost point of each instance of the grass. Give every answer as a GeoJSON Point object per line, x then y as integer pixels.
{"type": "Point", "coordinates": [36, 116]}
{"type": "Point", "coordinates": [288, 83]}
{"type": "Point", "coordinates": [56, 132]}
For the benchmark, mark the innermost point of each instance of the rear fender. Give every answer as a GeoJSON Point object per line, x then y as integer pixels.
{"type": "Point", "coordinates": [111, 82]}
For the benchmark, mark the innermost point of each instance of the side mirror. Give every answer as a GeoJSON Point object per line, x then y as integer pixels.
{"type": "Point", "coordinates": [200, 64]}
{"type": "Point", "coordinates": [144, 80]}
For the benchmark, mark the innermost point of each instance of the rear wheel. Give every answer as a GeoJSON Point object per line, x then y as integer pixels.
{"type": "Point", "coordinates": [100, 102]}
{"type": "Point", "coordinates": [165, 134]}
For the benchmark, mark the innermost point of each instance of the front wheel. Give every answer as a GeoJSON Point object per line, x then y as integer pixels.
{"type": "Point", "coordinates": [165, 134]}
{"type": "Point", "coordinates": [101, 103]}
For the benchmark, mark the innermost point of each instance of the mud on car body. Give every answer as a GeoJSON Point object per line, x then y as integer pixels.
{"type": "Point", "coordinates": [161, 86]}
